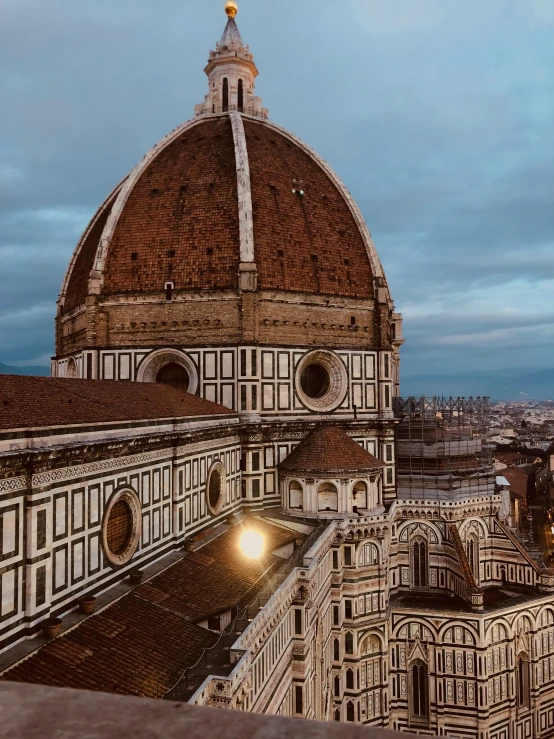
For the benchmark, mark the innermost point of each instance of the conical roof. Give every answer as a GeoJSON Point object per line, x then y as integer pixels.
{"type": "Point", "coordinates": [231, 34]}
{"type": "Point", "coordinates": [329, 449]}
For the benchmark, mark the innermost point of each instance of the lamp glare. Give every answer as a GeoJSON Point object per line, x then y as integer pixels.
{"type": "Point", "coordinates": [252, 544]}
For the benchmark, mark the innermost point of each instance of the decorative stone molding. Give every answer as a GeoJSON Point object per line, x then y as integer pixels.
{"type": "Point", "coordinates": [11, 484]}
{"type": "Point", "coordinates": [217, 468]}
{"type": "Point", "coordinates": [107, 465]}
{"type": "Point", "coordinates": [338, 381]}
{"type": "Point", "coordinates": [129, 497]}
{"type": "Point", "coordinates": [152, 364]}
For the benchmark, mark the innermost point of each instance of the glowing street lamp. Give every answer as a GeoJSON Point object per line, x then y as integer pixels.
{"type": "Point", "coordinates": [252, 544]}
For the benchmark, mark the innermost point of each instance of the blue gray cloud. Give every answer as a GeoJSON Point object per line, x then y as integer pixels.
{"type": "Point", "coordinates": [438, 115]}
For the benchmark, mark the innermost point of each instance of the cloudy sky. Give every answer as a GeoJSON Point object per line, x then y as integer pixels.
{"type": "Point", "coordinates": [438, 115]}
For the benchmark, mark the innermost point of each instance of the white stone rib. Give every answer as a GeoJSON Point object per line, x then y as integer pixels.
{"type": "Point", "coordinates": [246, 221]}
{"type": "Point", "coordinates": [77, 250]}
{"type": "Point", "coordinates": [376, 266]}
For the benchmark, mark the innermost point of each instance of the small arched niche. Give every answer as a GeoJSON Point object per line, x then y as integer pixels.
{"type": "Point", "coordinates": [296, 495]}
{"type": "Point", "coordinates": [327, 497]}
{"type": "Point", "coordinates": [359, 496]}
{"type": "Point", "coordinates": [72, 368]}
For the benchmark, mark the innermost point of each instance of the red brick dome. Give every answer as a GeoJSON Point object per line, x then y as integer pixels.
{"type": "Point", "coordinates": [218, 192]}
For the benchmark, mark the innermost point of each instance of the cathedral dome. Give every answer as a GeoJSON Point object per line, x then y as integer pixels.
{"type": "Point", "coordinates": [221, 191]}
{"type": "Point", "coordinates": [225, 206]}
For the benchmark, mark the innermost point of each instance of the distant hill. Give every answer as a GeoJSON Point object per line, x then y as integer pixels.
{"type": "Point", "coordinates": [6, 369]}
{"type": "Point", "coordinates": [496, 384]}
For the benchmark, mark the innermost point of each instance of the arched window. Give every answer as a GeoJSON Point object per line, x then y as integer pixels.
{"type": "Point", "coordinates": [349, 643]}
{"type": "Point", "coordinates": [327, 497]}
{"type": "Point", "coordinates": [372, 645]}
{"type": "Point", "coordinates": [225, 94]}
{"type": "Point", "coordinates": [419, 563]}
{"type": "Point", "coordinates": [241, 96]}
{"type": "Point", "coordinates": [369, 554]}
{"type": "Point", "coordinates": [349, 680]}
{"type": "Point", "coordinates": [337, 685]}
{"type": "Point", "coordinates": [350, 711]}
{"type": "Point", "coordinates": [336, 650]}
{"type": "Point", "coordinates": [337, 715]}
{"type": "Point", "coordinates": [472, 554]}
{"type": "Point", "coordinates": [419, 693]}
{"type": "Point", "coordinates": [523, 681]}
{"type": "Point", "coordinates": [295, 495]}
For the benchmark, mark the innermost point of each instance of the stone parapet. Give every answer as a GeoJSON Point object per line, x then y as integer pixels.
{"type": "Point", "coordinates": [31, 712]}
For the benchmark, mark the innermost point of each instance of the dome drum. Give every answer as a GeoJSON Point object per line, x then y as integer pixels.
{"type": "Point", "coordinates": [331, 497]}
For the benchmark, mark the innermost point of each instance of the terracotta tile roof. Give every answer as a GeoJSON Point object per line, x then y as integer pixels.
{"type": "Point", "coordinates": [518, 479]}
{"type": "Point", "coordinates": [216, 577]}
{"type": "Point", "coordinates": [511, 457]}
{"type": "Point", "coordinates": [303, 243]}
{"type": "Point", "coordinates": [142, 643]}
{"type": "Point", "coordinates": [134, 647]}
{"type": "Point", "coordinates": [329, 449]}
{"type": "Point", "coordinates": [31, 402]}
{"type": "Point", "coordinates": [181, 221]}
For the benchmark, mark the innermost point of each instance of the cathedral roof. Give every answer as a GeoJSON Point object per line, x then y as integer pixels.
{"type": "Point", "coordinates": [330, 449]}
{"type": "Point", "coordinates": [34, 402]}
{"type": "Point", "coordinates": [142, 643]}
{"type": "Point", "coordinates": [220, 191]}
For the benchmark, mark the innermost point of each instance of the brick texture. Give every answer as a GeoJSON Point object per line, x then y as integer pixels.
{"type": "Point", "coordinates": [329, 449]}
{"type": "Point", "coordinates": [307, 243]}
{"type": "Point", "coordinates": [180, 223]}
{"type": "Point", "coordinates": [77, 288]}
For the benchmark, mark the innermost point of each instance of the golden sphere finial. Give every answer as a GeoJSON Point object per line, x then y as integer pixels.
{"type": "Point", "coordinates": [231, 8]}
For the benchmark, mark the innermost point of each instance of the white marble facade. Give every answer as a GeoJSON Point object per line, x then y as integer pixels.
{"type": "Point", "coordinates": [51, 527]}
{"type": "Point", "coordinates": [351, 654]}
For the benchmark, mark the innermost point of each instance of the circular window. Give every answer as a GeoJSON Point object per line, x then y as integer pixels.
{"type": "Point", "coordinates": [321, 381]}
{"type": "Point", "coordinates": [215, 487]}
{"type": "Point", "coordinates": [175, 375]}
{"type": "Point", "coordinates": [121, 527]}
{"type": "Point", "coordinates": [171, 367]}
{"type": "Point", "coordinates": [315, 381]}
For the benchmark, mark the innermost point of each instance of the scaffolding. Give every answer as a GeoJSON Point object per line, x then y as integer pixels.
{"type": "Point", "coordinates": [439, 448]}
